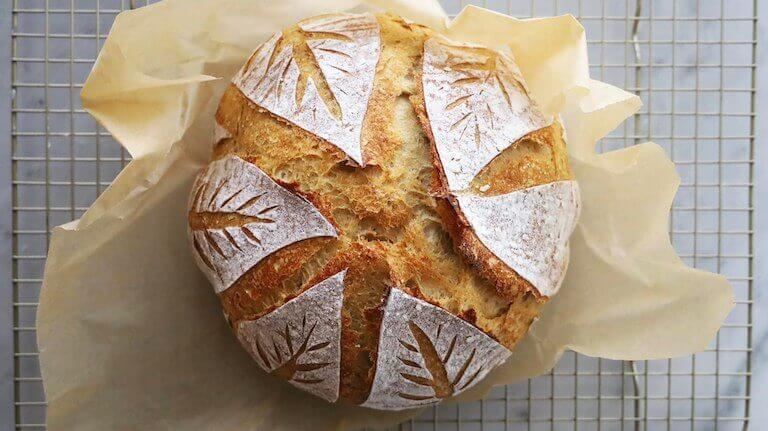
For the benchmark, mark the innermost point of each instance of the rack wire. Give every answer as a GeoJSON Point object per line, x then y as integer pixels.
{"type": "Point", "coordinates": [693, 62]}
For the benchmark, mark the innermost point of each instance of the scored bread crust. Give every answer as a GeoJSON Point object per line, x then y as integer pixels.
{"type": "Point", "coordinates": [397, 225]}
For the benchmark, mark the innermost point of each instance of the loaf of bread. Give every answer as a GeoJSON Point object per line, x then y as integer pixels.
{"type": "Point", "coordinates": [386, 211]}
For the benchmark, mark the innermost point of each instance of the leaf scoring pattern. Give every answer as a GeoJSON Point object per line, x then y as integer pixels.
{"type": "Point", "coordinates": [477, 106]}
{"type": "Point", "coordinates": [300, 341]}
{"type": "Point", "coordinates": [331, 54]}
{"type": "Point", "coordinates": [248, 216]}
{"type": "Point", "coordinates": [427, 354]}
{"type": "Point", "coordinates": [528, 229]}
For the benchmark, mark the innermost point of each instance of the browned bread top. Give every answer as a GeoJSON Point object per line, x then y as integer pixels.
{"type": "Point", "coordinates": [378, 200]}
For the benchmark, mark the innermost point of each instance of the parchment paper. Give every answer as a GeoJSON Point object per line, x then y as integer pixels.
{"type": "Point", "coordinates": [131, 335]}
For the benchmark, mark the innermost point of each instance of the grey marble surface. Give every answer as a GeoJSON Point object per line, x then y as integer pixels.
{"type": "Point", "coordinates": [759, 383]}
{"type": "Point", "coordinates": [6, 280]}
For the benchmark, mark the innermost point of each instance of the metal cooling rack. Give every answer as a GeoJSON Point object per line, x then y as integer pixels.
{"type": "Point", "coordinates": [693, 62]}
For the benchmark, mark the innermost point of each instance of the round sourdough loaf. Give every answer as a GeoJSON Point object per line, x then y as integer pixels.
{"type": "Point", "coordinates": [386, 210]}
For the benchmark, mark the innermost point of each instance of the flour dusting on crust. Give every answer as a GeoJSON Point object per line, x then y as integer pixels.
{"type": "Point", "coordinates": [250, 217]}
{"type": "Point", "coordinates": [427, 354]}
{"type": "Point", "coordinates": [220, 133]}
{"type": "Point", "coordinates": [477, 106]}
{"type": "Point", "coordinates": [300, 341]}
{"type": "Point", "coordinates": [528, 229]}
{"type": "Point", "coordinates": [345, 48]}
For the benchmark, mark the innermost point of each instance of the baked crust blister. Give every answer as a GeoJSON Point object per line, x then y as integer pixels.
{"type": "Point", "coordinates": [389, 149]}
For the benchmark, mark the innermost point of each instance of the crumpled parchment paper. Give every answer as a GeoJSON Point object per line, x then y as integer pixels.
{"type": "Point", "coordinates": [131, 335]}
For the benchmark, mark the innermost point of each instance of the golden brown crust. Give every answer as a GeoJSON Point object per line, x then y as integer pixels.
{"type": "Point", "coordinates": [538, 158]}
{"type": "Point", "coordinates": [268, 284]}
{"type": "Point", "coordinates": [397, 227]}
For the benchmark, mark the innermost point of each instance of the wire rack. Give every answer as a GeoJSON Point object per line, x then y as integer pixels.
{"type": "Point", "coordinates": [691, 61]}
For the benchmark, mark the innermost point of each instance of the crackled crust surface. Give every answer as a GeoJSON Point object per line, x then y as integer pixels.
{"type": "Point", "coordinates": [397, 227]}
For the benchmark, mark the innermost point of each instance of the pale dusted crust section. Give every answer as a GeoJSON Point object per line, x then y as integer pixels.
{"type": "Point", "coordinates": [331, 102]}
{"type": "Point", "coordinates": [427, 354]}
{"type": "Point", "coordinates": [300, 341]}
{"type": "Point", "coordinates": [248, 216]}
{"type": "Point", "coordinates": [527, 229]}
{"type": "Point", "coordinates": [477, 106]}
